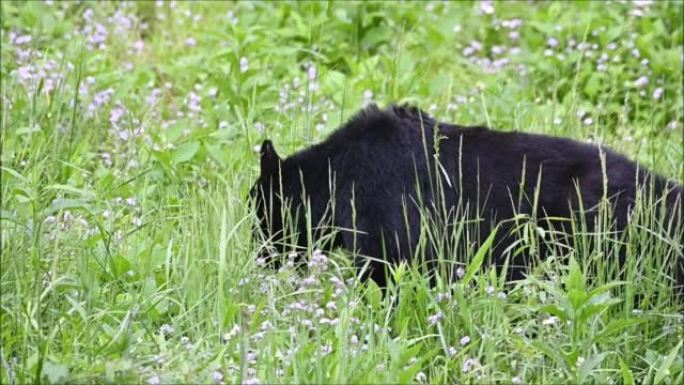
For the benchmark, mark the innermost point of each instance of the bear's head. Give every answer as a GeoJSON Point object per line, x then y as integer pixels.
{"type": "Point", "coordinates": [276, 200]}
{"type": "Point", "coordinates": [266, 193]}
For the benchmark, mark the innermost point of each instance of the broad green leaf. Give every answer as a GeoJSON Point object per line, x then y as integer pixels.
{"type": "Point", "coordinates": [185, 152]}
{"type": "Point", "coordinates": [67, 204]}
{"type": "Point", "coordinates": [664, 369]}
{"type": "Point", "coordinates": [55, 373]}
{"type": "Point", "coordinates": [627, 376]}
{"type": "Point", "coordinates": [589, 365]}
{"type": "Point", "coordinates": [575, 279]}
{"type": "Point", "coordinates": [551, 352]}
{"type": "Point", "coordinates": [479, 257]}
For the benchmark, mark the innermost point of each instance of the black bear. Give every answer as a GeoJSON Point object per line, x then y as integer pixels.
{"type": "Point", "coordinates": [376, 175]}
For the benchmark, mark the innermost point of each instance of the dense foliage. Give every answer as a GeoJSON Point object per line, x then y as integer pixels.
{"type": "Point", "coordinates": [129, 133]}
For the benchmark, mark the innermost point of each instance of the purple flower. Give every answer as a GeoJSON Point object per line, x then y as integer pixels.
{"type": "Point", "coordinates": [434, 319]}
{"type": "Point", "coordinates": [487, 7]}
{"type": "Point", "coordinates": [100, 99]}
{"type": "Point", "coordinates": [641, 82]}
{"type": "Point", "coordinates": [21, 40]}
{"type": "Point", "coordinates": [116, 113]}
{"type": "Point", "coordinates": [217, 376]}
{"type": "Point", "coordinates": [244, 64]}
{"type": "Point", "coordinates": [193, 101]}
{"type": "Point", "coordinates": [657, 93]}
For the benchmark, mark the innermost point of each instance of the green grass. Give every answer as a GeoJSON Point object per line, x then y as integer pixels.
{"type": "Point", "coordinates": [127, 254]}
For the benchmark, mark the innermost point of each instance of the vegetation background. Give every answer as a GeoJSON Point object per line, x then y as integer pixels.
{"type": "Point", "coordinates": [129, 138]}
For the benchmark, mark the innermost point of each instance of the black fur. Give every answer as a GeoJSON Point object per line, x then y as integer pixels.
{"type": "Point", "coordinates": [384, 161]}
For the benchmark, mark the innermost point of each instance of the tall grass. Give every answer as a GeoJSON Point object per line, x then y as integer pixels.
{"type": "Point", "coordinates": [126, 237]}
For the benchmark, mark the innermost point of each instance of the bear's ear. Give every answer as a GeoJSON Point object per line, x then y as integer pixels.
{"type": "Point", "coordinates": [270, 161]}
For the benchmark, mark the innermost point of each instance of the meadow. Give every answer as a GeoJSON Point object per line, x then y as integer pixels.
{"type": "Point", "coordinates": [130, 138]}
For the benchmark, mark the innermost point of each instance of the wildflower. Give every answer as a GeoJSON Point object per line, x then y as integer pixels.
{"type": "Point", "coordinates": [154, 380]}
{"type": "Point", "coordinates": [307, 323]}
{"type": "Point", "coordinates": [657, 93]}
{"type": "Point", "coordinates": [116, 113]}
{"type": "Point", "coordinates": [309, 281]}
{"type": "Point", "coordinates": [232, 333]}
{"type": "Point", "coordinates": [512, 24]}
{"type": "Point", "coordinates": [367, 95]}
{"type": "Point", "coordinates": [251, 381]}
{"type": "Point", "coordinates": [193, 101]}
{"type": "Point", "coordinates": [100, 99]}
{"type": "Point", "coordinates": [468, 365]}
{"type": "Point", "coordinates": [153, 97]}
{"type": "Point", "coordinates": [501, 295]}
{"type": "Point", "coordinates": [421, 377]}
{"type": "Point", "coordinates": [166, 329]}
{"type": "Point", "coordinates": [231, 17]}
{"type": "Point", "coordinates": [588, 121]}
{"type": "Point", "coordinates": [460, 272]}
{"type": "Point", "coordinates": [550, 321]}
{"type": "Point", "coordinates": [443, 297]}
{"type": "Point", "coordinates": [465, 340]}
{"type": "Point", "coordinates": [266, 326]}
{"type": "Point", "coordinates": [487, 7]}
{"type": "Point", "coordinates": [259, 127]}
{"type": "Point", "coordinates": [326, 349]}
{"type": "Point", "coordinates": [552, 42]}
{"type": "Point", "coordinates": [516, 381]}
{"type": "Point", "coordinates": [217, 376]}
{"type": "Point", "coordinates": [190, 42]}
{"type": "Point", "coordinates": [452, 351]}
{"type": "Point", "coordinates": [21, 40]}
{"type": "Point", "coordinates": [641, 82]}
{"type": "Point", "coordinates": [251, 357]}
{"type": "Point", "coordinates": [244, 64]}
{"type": "Point", "coordinates": [318, 261]}
{"type": "Point", "coordinates": [434, 319]}
{"type": "Point", "coordinates": [490, 290]}
{"type": "Point", "coordinates": [96, 35]}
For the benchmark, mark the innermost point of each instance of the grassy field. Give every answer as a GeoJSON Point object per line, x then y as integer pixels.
{"type": "Point", "coordinates": [129, 139]}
